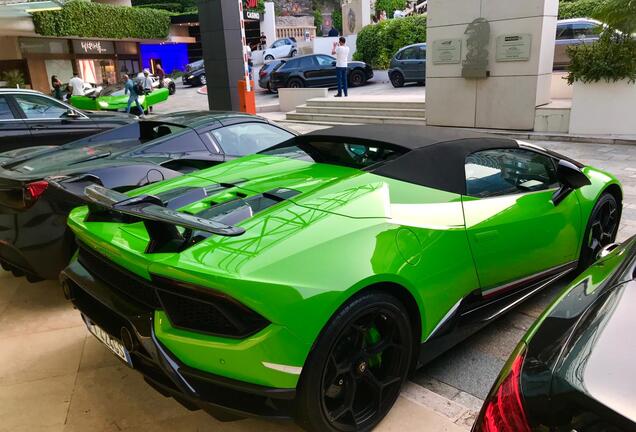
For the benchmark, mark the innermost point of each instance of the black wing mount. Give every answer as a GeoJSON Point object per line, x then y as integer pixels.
{"type": "Point", "coordinates": [149, 209]}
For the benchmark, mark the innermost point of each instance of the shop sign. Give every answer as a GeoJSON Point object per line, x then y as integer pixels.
{"type": "Point", "coordinates": [513, 47]}
{"type": "Point", "coordinates": [447, 51]}
{"type": "Point", "coordinates": [254, 15]}
{"type": "Point", "coordinates": [93, 47]}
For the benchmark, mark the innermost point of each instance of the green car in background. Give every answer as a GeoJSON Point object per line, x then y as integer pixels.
{"type": "Point", "coordinates": [308, 280]}
{"type": "Point", "coordinates": [112, 98]}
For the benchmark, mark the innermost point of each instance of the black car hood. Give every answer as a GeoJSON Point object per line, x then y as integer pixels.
{"type": "Point", "coordinates": [599, 360]}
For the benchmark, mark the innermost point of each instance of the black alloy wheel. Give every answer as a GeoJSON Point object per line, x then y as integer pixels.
{"type": "Point", "coordinates": [397, 79]}
{"type": "Point", "coordinates": [356, 371]}
{"type": "Point", "coordinates": [172, 88]}
{"type": "Point", "coordinates": [356, 78]}
{"type": "Point", "coordinates": [295, 83]}
{"type": "Point", "coordinates": [203, 80]}
{"type": "Point", "coordinates": [601, 229]}
{"type": "Point", "coordinates": [270, 88]}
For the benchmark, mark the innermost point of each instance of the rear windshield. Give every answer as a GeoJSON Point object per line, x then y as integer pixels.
{"type": "Point", "coordinates": [348, 154]}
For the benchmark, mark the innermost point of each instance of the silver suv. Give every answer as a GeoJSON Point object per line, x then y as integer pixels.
{"type": "Point", "coordinates": [570, 32]}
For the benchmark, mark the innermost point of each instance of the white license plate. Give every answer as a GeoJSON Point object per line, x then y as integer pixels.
{"type": "Point", "coordinates": [111, 343]}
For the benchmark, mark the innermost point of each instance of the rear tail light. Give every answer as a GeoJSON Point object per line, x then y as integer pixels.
{"type": "Point", "coordinates": [262, 73]}
{"type": "Point", "coordinates": [33, 191]}
{"type": "Point", "coordinates": [503, 411]}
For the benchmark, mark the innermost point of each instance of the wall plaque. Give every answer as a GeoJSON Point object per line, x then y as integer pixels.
{"type": "Point", "coordinates": [447, 51]}
{"type": "Point", "coordinates": [513, 47]}
{"type": "Point", "coordinates": [475, 65]}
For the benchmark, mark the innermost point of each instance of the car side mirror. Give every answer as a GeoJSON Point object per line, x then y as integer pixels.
{"type": "Point", "coordinates": [71, 113]}
{"type": "Point", "coordinates": [571, 178]}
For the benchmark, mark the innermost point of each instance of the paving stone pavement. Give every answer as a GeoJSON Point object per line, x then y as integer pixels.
{"type": "Point", "coordinates": [54, 376]}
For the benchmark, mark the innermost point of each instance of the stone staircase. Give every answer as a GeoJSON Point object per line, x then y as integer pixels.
{"type": "Point", "coordinates": [365, 110]}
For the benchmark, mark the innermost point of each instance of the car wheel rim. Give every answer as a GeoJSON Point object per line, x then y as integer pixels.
{"type": "Point", "coordinates": [364, 371]}
{"type": "Point", "coordinates": [356, 79]}
{"type": "Point", "coordinates": [603, 228]}
{"type": "Point", "coordinates": [294, 84]}
{"type": "Point", "coordinates": [397, 80]}
{"type": "Point", "coordinates": [203, 80]}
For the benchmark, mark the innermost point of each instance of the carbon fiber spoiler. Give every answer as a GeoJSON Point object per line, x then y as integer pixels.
{"type": "Point", "coordinates": [148, 208]}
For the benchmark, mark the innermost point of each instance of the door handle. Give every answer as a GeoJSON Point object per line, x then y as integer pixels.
{"type": "Point", "coordinates": [38, 126]}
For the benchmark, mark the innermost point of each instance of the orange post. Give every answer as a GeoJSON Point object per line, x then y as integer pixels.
{"type": "Point", "coordinates": [247, 98]}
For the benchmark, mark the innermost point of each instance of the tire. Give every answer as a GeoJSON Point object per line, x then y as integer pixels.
{"type": "Point", "coordinates": [397, 79]}
{"type": "Point", "coordinates": [343, 361]}
{"type": "Point", "coordinates": [601, 229]}
{"type": "Point", "coordinates": [203, 80]}
{"type": "Point", "coordinates": [356, 78]}
{"type": "Point", "coordinates": [172, 88]}
{"type": "Point", "coordinates": [293, 53]}
{"type": "Point", "coordinates": [269, 57]}
{"type": "Point", "coordinates": [295, 83]}
{"type": "Point", "coordinates": [271, 89]}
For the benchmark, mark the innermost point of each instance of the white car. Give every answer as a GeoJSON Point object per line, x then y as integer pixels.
{"type": "Point", "coordinates": [282, 48]}
{"type": "Point", "coordinates": [167, 82]}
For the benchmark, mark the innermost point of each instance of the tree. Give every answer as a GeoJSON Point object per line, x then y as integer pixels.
{"type": "Point", "coordinates": [390, 6]}
{"type": "Point", "coordinates": [618, 14]}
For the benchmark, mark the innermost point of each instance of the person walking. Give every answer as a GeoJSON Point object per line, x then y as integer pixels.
{"type": "Point", "coordinates": [57, 88]}
{"type": "Point", "coordinates": [77, 85]}
{"type": "Point", "coordinates": [341, 51]}
{"type": "Point", "coordinates": [161, 74]}
{"type": "Point", "coordinates": [129, 89]}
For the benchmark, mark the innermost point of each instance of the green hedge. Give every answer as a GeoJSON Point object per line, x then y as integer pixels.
{"type": "Point", "coordinates": [612, 58]}
{"type": "Point", "coordinates": [578, 8]}
{"type": "Point", "coordinates": [377, 43]}
{"type": "Point", "coordinates": [86, 19]}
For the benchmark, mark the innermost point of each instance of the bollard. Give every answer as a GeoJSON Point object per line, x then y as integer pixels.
{"type": "Point", "coordinates": [247, 99]}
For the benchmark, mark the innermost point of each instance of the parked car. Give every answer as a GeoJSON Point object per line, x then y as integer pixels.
{"type": "Point", "coordinates": [317, 70]}
{"type": "Point", "coordinates": [113, 98]}
{"type": "Point", "coordinates": [29, 118]}
{"type": "Point", "coordinates": [574, 369]}
{"type": "Point", "coordinates": [408, 65]}
{"type": "Point", "coordinates": [324, 269]}
{"type": "Point", "coordinates": [194, 66]}
{"type": "Point", "coordinates": [195, 78]}
{"type": "Point", "coordinates": [572, 32]}
{"type": "Point", "coordinates": [264, 74]}
{"type": "Point", "coordinates": [33, 236]}
{"type": "Point", "coordinates": [282, 48]}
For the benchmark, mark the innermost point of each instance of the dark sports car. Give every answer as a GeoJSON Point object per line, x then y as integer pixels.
{"type": "Point", "coordinates": [317, 70]}
{"type": "Point", "coordinates": [195, 78]}
{"type": "Point", "coordinates": [574, 369]}
{"type": "Point", "coordinates": [29, 118]}
{"type": "Point", "coordinates": [33, 236]}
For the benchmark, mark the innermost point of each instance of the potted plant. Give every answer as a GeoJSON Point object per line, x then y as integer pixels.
{"type": "Point", "coordinates": [13, 78]}
{"type": "Point", "coordinates": [603, 75]}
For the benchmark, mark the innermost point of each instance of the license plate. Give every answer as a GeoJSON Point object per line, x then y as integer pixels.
{"type": "Point", "coordinates": [111, 343]}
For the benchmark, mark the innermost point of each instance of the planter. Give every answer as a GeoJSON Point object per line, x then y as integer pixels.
{"type": "Point", "coordinates": [603, 108]}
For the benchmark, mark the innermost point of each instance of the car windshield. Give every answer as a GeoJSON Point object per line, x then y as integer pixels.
{"type": "Point", "coordinates": [112, 90]}
{"type": "Point", "coordinates": [349, 154]}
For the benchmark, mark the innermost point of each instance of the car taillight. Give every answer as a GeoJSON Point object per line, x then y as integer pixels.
{"type": "Point", "coordinates": [262, 73]}
{"type": "Point", "coordinates": [503, 411]}
{"type": "Point", "coordinates": [33, 191]}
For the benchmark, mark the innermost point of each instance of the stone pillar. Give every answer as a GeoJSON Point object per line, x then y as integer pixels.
{"type": "Point", "coordinates": [222, 52]}
{"type": "Point", "coordinates": [355, 15]}
{"type": "Point", "coordinates": [268, 25]}
{"type": "Point", "coordinates": [489, 62]}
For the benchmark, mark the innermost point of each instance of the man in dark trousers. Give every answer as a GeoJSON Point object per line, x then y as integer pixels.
{"type": "Point", "coordinates": [341, 51]}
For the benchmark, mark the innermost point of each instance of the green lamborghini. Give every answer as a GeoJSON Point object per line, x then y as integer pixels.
{"type": "Point", "coordinates": [307, 281]}
{"type": "Point", "coordinates": [112, 98]}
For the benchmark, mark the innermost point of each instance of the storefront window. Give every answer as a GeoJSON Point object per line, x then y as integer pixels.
{"type": "Point", "coordinates": [98, 72]}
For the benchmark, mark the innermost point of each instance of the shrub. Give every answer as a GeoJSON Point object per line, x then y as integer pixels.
{"type": "Point", "coordinates": [377, 43]}
{"type": "Point", "coordinates": [618, 14]}
{"type": "Point", "coordinates": [578, 8]}
{"type": "Point", "coordinates": [318, 20]}
{"type": "Point", "coordinates": [86, 19]}
{"type": "Point", "coordinates": [14, 78]}
{"type": "Point", "coordinates": [611, 58]}
{"type": "Point", "coordinates": [336, 19]}
{"type": "Point", "coordinates": [389, 6]}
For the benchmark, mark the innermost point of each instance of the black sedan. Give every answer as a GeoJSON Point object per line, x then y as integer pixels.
{"type": "Point", "coordinates": [317, 70]}
{"type": "Point", "coordinates": [195, 77]}
{"type": "Point", "coordinates": [29, 118]}
{"type": "Point", "coordinates": [34, 240]}
{"type": "Point", "coordinates": [574, 369]}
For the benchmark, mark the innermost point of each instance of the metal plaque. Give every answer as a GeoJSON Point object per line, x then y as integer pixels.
{"type": "Point", "coordinates": [447, 51]}
{"type": "Point", "coordinates": [475, 64]}
{"type": "Point", "coordinates": [514, 47]}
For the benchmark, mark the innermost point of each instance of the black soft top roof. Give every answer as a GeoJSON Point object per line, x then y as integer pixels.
{"type": "Point", "coordinates": [434, 157]}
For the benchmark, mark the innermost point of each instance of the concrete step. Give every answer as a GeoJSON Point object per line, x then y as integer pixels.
{"type": "Point", "coordinates": [368, 102]}
{"type": "Point", "coordinates": [351, 119]}
{"type": "Point", "coordinates": [362, 111]}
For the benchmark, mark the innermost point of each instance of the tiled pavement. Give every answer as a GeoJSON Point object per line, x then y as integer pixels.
{"type": "Point", "coordinates": [56, 377]}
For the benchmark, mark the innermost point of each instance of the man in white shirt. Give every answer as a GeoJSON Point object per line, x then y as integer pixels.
{"type": "Point", "coordinates": [146, 82]}
{"type": "Point", "coordinates": [341, 51]}
{"type": "Point", "coordinates": [77, 85]}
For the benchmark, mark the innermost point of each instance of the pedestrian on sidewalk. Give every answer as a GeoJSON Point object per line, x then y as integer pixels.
{"type": "Point", "coordinates": [131, 91]}
{"type": "Point", "coordinates": [146, 82]}
{"type": "Point", "coordinates": [341, 51]}
{"type": "Point", "coordinates": [76, 84]}
{"type": "Point", "coordinates": [161, 74]}
{"type": "Point", "coordinates": [57, 88]}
